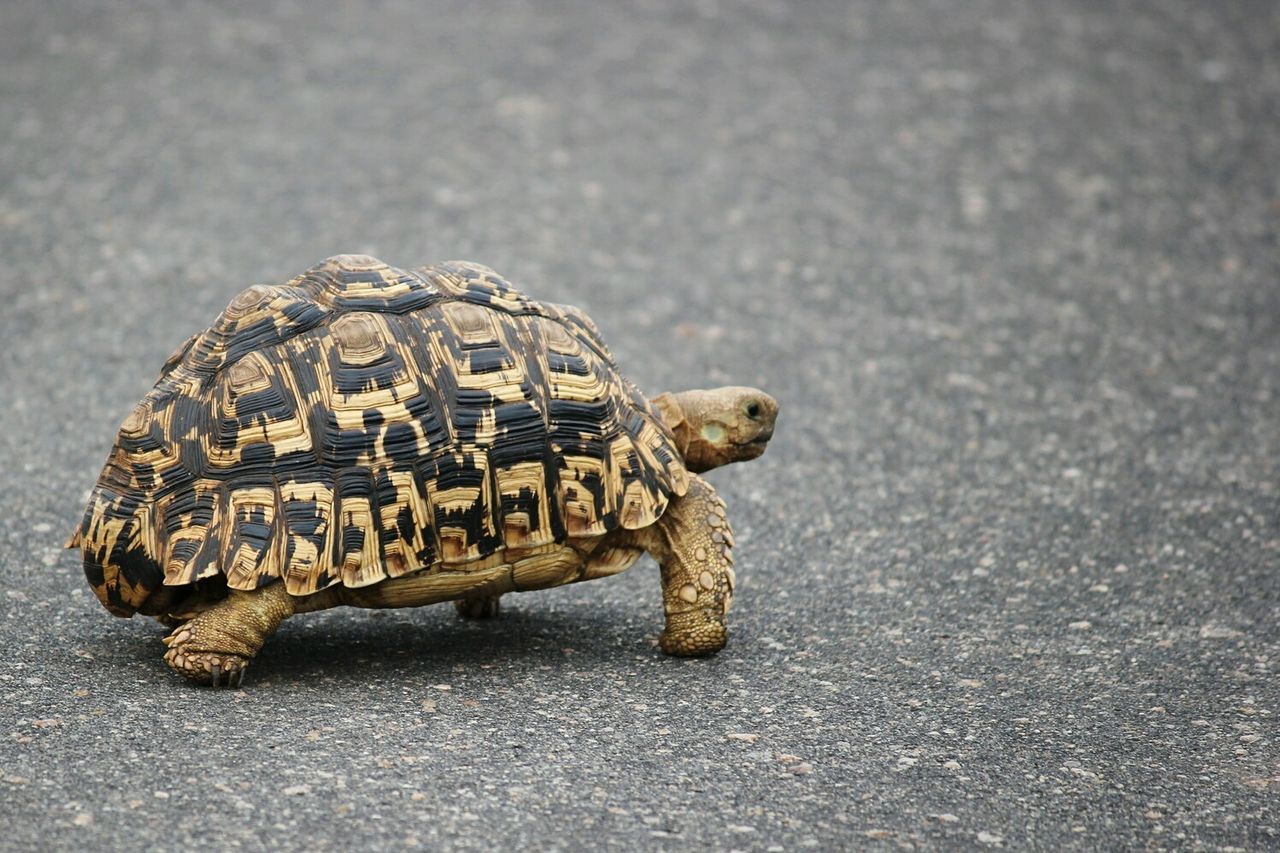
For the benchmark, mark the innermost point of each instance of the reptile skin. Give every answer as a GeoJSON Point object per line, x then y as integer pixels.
{"type": "Point", "coordinates": [373, 437]}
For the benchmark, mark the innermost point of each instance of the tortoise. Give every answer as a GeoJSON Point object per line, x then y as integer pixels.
{"type": "Point", "coordinates": [374, 437]}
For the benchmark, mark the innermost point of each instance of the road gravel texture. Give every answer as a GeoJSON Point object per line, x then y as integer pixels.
{"type": "Point", "coordinates": [1009, 570]}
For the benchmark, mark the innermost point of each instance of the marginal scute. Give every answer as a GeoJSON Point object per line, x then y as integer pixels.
{"type": "Point", "coordinates": [358, 555]}
{"type": "Point", "coordinates": [180, 567]}
{"type": "Point", "coordinates": [308, 525]}
{"type": "Point", "coordinates": [362, 423]}
{"type": "Point", "coordinates": [524, 509]}
{"type": "Point", "coordinates": [254, 547]}
{"type": "Point", "coordinates": [405, 547]}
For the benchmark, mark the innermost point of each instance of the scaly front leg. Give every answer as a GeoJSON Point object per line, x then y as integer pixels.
{"type": "Point", "coordinates": [692, 543]}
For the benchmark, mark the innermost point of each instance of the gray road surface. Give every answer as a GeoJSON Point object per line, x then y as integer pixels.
{"type": "Point", "coordinates": [1010, 566]}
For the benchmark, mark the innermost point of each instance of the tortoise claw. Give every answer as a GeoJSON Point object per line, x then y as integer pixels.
{"type": "Point", "coordinates": [179, 636]}
{"type": "Point", "coordinates": [213, 669]}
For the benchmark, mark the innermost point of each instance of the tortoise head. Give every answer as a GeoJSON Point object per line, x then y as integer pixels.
{"type": "Point", "coordinates": [717, 426]}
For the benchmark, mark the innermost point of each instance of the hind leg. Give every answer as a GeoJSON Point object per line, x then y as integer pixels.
{"type": "Point", "coordinates": [479, 606]}
{"type": "Point", "coordinates": [216, 646]}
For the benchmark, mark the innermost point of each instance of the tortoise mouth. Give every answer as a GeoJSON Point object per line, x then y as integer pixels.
{"type": "Point", "coordinates": [753, 448]}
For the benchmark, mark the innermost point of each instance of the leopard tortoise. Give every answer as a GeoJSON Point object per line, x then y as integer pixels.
{"type": "Point", "coordinates": [369, 436]}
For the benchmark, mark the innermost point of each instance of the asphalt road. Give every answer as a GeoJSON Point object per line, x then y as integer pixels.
{"type": "Point", "coordinates": [1009, 568]}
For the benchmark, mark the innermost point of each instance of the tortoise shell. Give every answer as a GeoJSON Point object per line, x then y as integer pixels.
{"type": "Point", "coordinates": [363, 422]}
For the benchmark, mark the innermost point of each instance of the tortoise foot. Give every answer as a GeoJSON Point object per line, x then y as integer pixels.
{"type": "Point", "coordinates": [694, 634]}
{"type": "Point", "coordinates": [480, 607]}
{"type": "Point", "coordinates": [217, 669]}
{"type": "Point", "coordinates": [215, 647]}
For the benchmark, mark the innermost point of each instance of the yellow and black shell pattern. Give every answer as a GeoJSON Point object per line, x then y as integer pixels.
{"type": "Point", "coordinates": [364, 422]}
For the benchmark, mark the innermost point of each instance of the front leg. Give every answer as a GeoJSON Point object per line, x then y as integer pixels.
{"type": "Point", "coordinates": [693, 543]}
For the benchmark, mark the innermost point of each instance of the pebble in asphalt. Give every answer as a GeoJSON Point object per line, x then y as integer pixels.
{"type": "Point", "coordinates": [1009, 567]}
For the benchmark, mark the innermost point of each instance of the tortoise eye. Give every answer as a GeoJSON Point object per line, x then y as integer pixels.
{"type": "Point", "coordinates": [753, 410]}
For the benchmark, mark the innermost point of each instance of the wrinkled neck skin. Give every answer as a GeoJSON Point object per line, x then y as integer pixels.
{"type": "Point", "coordinates": [695, 452]}
{"type": "Point", "coordinates": [710, 426]}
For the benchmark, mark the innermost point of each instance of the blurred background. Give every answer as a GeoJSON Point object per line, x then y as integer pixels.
{"type": "Point", "coordinates": [1011, 269]}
